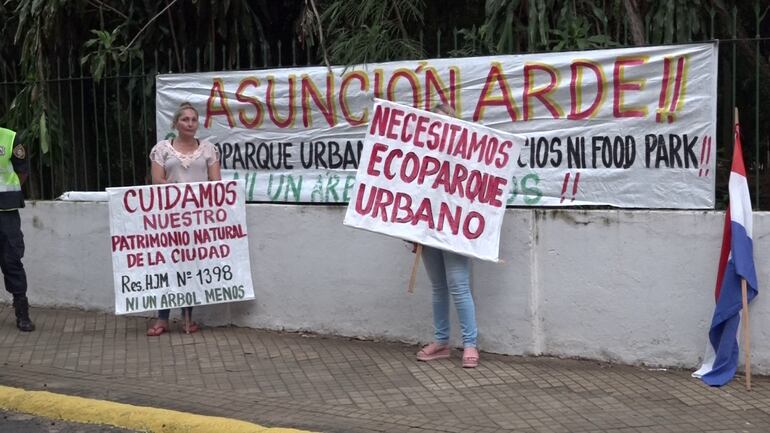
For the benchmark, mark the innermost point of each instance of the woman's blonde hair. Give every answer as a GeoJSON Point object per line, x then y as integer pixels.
{"type": "Point", "coordinates": [444, 109]}
{"type": "Point", "coordinates": [183, 106]}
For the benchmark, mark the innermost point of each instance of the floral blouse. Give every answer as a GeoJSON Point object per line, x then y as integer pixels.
{"type": "Point", "coordinates": [185, 167]}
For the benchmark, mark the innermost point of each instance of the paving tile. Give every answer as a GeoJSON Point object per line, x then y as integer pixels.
{"type": "Point", "coordinates": [334, 384]}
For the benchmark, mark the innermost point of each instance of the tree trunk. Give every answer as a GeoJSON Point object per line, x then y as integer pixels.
{"type": "Point", "coordinates": [635, 21]}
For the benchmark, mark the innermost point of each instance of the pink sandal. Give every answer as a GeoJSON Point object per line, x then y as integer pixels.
{"type": "Point", "coordinates": [192, 328]}
{"type": "Point", "coordinates": [470, 357]}
{"type": "Point", "coordinates": [433, 351]}
{"type": "Point", "coordinates": [156, 330]}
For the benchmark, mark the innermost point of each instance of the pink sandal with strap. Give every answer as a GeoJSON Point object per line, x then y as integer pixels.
{"type": "Point", "coordinates": [432, 352]}
{"type": "Point", "coordinates": [470, 357]}
{"type": "Point", "coordinates": [156, 330]}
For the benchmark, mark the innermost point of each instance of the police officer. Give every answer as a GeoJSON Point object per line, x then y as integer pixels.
{"type": "Point", "coordinates": [13, 172]}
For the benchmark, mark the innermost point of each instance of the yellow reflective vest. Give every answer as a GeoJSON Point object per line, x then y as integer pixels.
{"type": "Point", "coordinates": [11, 196]}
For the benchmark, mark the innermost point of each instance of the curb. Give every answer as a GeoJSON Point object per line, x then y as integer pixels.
{"type": "Point", "coordinates": [126, 416]}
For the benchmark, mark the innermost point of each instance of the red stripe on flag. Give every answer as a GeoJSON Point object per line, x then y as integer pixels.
{"type": "Point", "coordinates": [725, 253]}
{"type": "Point", "coordinates": [738, 166]}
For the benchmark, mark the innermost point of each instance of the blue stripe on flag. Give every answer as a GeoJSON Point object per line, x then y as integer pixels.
{"type": "Point", "coordinates": [724, 325]}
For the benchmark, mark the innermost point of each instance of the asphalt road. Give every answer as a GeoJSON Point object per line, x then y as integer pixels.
{"type": "Point", "coordinates": [11, 422]}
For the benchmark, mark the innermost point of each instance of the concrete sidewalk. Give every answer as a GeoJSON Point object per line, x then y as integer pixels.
{"type": "Point", "coordinates": [341, 385]}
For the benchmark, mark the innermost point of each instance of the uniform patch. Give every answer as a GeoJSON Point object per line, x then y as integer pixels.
{"type": "Point", "coordinates": [19, 152]}
{"type": "Point", "coordinates": [2, 151]}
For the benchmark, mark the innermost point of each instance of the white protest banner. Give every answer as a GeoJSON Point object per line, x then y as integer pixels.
{"type": "Point", "coordinates": [179, 245]}
{"type": "Point", "coordinates": [433, 179]}
{"type": "Point", "coordinates": [628, 127]}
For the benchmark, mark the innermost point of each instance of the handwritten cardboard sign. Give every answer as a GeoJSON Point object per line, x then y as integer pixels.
{"type": "Point", "coordinates": [433, 179]}
{"type": "Point", "coordinates": [179, 245]}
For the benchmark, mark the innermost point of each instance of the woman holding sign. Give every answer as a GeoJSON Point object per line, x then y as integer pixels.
{"type": "Point", "coordinates": [449, 273]}
{"type": "Point", "coordinates": [183, 159]}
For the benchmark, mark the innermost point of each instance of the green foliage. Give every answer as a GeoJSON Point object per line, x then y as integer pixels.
{"type": "Point", "coordinates": [132, 38]}
{"type": "Point", "coordinates": [499, 31]}
{"type": "Point", "coordinates": [363, 31]}
{"type": "Point", "coordinates": [38, 25]}
{"type": "Point", "coordinates": [580, 26]}
{"type": "Point", "coordinates": [513, 26]}
{"type": "Point", "coordinates": [137, 39]}
{"type": "Point", "coordinates": [474, 43]}
{"type": "Point", "coordinates": [104, 49]}
{"type": "Point", "coordinates": [671, 21]}
{"type": "Point", "coordinates": [221, 30]}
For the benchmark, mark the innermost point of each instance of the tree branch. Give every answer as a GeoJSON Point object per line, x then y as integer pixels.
{"type": "Point", "coordinates": [320, 35]}
{"type": "Point", "coordinates": [148, 24]}
{"type": "Point", "coordinates": [400, 21]}
{"type": "Point", "coordinates": [100, 4]}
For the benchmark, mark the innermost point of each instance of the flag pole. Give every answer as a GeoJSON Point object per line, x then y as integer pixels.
{"type": "Point", "coordinates": [413, 278]}
{"type": "Point", "coordinates": [746, 333]}
{"type": "Point", "coordinates": [745, 315]}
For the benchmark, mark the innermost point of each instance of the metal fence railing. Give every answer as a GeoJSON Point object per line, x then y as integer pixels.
{"type": "Point", "coordinates": [102, 130]}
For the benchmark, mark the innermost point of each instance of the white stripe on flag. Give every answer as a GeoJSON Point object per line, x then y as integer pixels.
{"type": "Point", "coordinates": [739, 201]}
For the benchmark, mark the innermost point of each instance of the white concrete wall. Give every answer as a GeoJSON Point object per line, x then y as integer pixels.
{"type": "Point", "coordinates": [633, 287]}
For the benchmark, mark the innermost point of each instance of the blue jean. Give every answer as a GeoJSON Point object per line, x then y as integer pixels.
{"type": "Point", "coordinates": [163, 314]}
{"type": "Point", "coordinates": [450, 273]}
